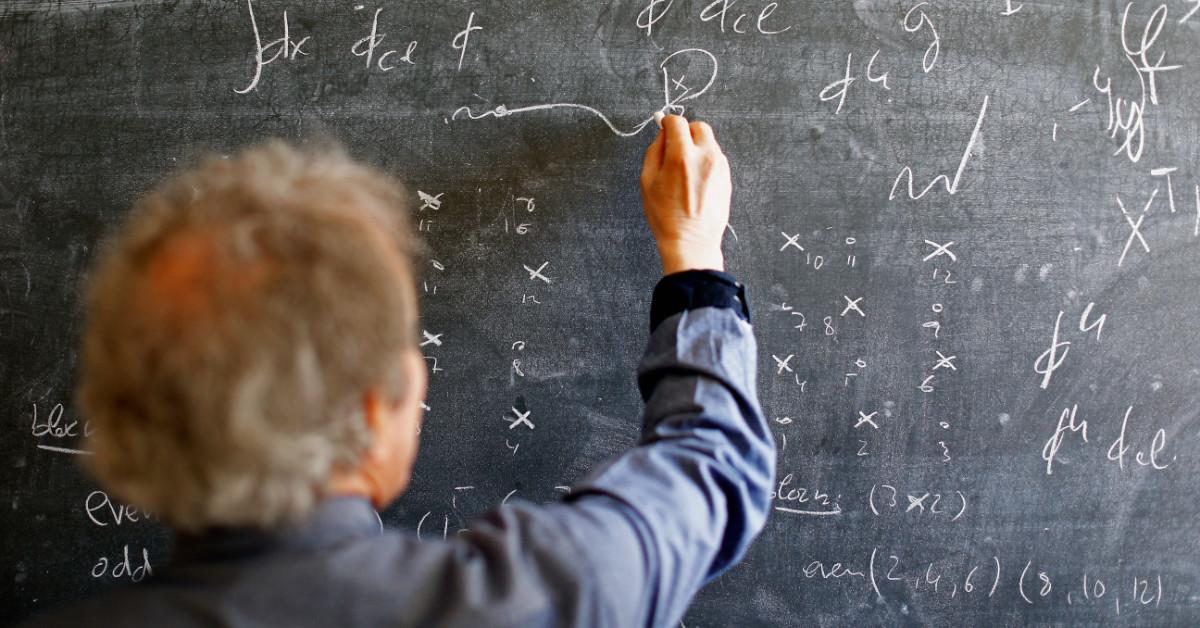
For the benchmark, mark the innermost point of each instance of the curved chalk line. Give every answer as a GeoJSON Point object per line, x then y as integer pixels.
{"type": "Point", "coordinates": [671, 105]}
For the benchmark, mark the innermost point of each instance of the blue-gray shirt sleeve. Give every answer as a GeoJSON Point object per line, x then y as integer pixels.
{"type": "Point", "coordinates": [629, 546]}
{"type": "Point", "coordinates": [695, 492]}
{"type": "Point", "coordinates": [654, 525]}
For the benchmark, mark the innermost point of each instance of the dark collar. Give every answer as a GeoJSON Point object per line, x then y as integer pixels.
{"type": "Point", "coordinates": [333, 521]}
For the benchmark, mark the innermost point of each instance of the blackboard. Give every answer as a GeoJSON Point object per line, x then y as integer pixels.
{"type": "Point", "coordinates": [970, 233]}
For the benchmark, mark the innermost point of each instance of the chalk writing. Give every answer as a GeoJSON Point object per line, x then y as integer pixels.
{"type": "Point", "coordinates": [951, 185]}
{"type": "Point", "coordinates": [1122, 449]}
{"type": "Point", "coordinates": [802, 501]}
{"type": "Point", "coordinates": [285, 47]}
{"type": "Point", "coordinates": [652, 13]}
{"type": "Point", "coordinates": [1135, 227]}
{"type": "Point", "coordinates": [462, 37]}
{"type": "Point", "coordinates": [929, 59]}
{"type": "Point", "coordinates": [366, 46]}
{"type": "Point", "coordinates": [719, 10]}
{"type": "Point", "coordinates": [839, 88]}
{"type": "Point", "coordinates": [123, 566]}
{"type": "Point", "coordinates": [672, 94]}
{"type": "Point", "coordinates": [102, 512]}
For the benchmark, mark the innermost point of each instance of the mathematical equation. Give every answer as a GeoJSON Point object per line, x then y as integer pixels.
{"type": "Point", "coordinates": [1034, 582]}
{"type": "Point", "coordinates": [883, 379]}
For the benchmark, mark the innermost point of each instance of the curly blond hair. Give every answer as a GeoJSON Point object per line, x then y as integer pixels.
{"type": "Point", "coordinates": [234, 325]}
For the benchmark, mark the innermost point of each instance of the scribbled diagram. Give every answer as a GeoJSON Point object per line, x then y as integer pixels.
{"type": "Point", "coordinates": [675, 93]}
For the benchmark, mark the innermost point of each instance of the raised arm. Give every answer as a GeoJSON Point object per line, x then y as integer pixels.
{"type": "Point", "coordinates": [633, 543]}
{"type": "Point", "coordinates": [695, 490]}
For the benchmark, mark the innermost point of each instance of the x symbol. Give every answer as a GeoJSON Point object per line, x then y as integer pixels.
{"type": "Point", "coordinates": [944, 362]}
{"type": "Point", "coordinates": [1135, 231]}
{"type": "Point", "coordinates": [940, 249]}
{"type": "Point", "coordinates": [295, 46]}
{"type": "Point", "coordinates": [522, 417]}
{"type": "Point", "coordinates": [791, 241]}
{"type": "Point", "coordinates": [429, 202]}
{"type": "Point", "coordinates": [852, 304]}
{"type": "Point", "coordinates": [783, 364]}
{"type": "Point", "coordinates": [863, 417]}
{"type": "Point", "coordinates": [434, 339]}
{"type": "Point", "coordinates": [1145, 208]}
{"type": "Point", "coordinates": [679, 83]}
{"type": "Point", "coordinates": [537, 274]}
{"type": "Point", "coordinates": [914, 502]}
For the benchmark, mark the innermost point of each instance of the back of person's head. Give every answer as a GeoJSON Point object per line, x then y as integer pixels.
{"type": "Point", "coordinates": [233, 326]}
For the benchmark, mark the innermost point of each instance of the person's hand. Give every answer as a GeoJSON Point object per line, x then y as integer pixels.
{"type": "Point", "coordinates": [685, 194]}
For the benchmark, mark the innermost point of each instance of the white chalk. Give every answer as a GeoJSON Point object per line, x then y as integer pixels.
{"type": "Point", "coordinates": [658, 116]}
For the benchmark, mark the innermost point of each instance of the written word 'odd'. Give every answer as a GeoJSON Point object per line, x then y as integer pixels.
{"type": "Point", "coordinates": [135, 568]}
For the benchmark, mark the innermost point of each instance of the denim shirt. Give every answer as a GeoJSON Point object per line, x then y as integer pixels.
{"type": "Point", "coordinates": [630, 545]}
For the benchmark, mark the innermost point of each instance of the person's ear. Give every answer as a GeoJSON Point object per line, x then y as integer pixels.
{"type": "Point", "coordinates": [374, 412]}
{"type": "Point", "coordinates": [416, 380]}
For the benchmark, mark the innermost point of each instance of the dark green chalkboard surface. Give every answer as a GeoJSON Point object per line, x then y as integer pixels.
{"type": "Point", "coordinates": [970, 232]}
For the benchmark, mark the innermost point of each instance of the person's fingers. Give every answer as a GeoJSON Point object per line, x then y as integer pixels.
{"type": "Point", "coordinates": [678, 136]}
{"type": "Point", "coordinates": [654, 154]}
{"type": "Point", "coordinates": [702, 135]}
